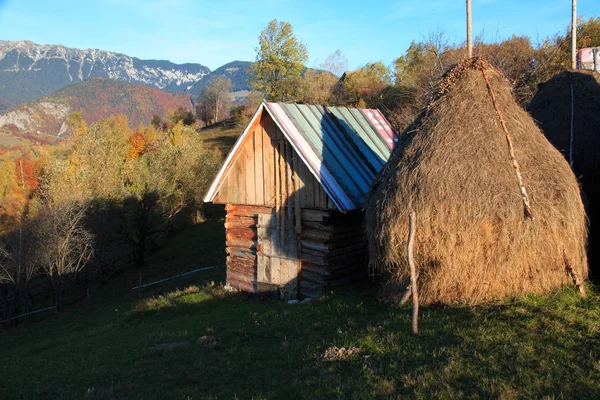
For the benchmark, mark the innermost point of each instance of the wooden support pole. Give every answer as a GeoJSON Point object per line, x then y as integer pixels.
{"type": "Point", "coordinates": [574, 35]}
{"type": "Point", "coordinates": [578, 284]}
{"type": "Point", "coordinates": [413, 273]}
{"type": "Point", "coordinates": [469, 31]}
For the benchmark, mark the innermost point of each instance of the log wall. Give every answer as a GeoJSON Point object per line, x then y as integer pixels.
{"type": "Point", "coordinates": [332, 249]}
{"type": "Point", "coordinates": [241, 241]}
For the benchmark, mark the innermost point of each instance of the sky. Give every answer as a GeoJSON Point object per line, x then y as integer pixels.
{"type": "Point", "coordinates": [215, 32]}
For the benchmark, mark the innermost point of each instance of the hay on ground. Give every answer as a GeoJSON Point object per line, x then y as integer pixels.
{"type": "Point", "coordinates": [452, 167]}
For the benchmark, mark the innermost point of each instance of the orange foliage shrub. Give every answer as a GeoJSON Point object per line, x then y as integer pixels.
{"type": "Point", "coordinates": [30, 171]}
{"type": "Point", "coordinates": [137, 144]}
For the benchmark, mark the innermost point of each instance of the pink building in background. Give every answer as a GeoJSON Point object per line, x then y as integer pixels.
{"type": "Point", "coordinates": [589, 58]}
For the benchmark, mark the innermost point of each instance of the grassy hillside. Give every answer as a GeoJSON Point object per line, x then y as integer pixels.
{"type": "Point", "coordinates": [184, 339]}
{"type": "Point", "coordinates": [222, 135]}
{"type": "Point", "coordinates": [95, 99]}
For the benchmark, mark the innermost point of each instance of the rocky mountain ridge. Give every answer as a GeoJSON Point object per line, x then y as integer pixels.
{"type": "Point", "coordinates": [29, 71]}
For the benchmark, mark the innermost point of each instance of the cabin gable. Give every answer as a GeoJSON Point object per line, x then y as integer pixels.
{"type": "Point", "coordinates": [266, 169]}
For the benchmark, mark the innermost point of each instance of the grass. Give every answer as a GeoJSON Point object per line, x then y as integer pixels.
{"type": "Point", "coordinates": [221, 135]}
{"type": "Point", "coordinates": [190, 339]}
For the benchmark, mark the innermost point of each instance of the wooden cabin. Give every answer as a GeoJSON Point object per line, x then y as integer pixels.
{"type": "Point", "coordinates": [294, 185]}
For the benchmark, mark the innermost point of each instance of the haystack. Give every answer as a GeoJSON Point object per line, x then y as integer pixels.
{"type": "Point", "coordinates": [483, 231]}
{"type": "Point", "coordinates": [574, 97]}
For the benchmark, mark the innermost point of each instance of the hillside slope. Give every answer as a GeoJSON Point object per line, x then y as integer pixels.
{"type": "Point", "coordinates": [185, 338]}
{"type": "Point", "coordinates": [29, 71]}
{"type": "Point", "coordinates": [95, 99]}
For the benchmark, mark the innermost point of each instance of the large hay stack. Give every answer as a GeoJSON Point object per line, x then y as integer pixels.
{"type": "Point", "coordinates": [452, 166]}
{"type": "Point", "coordinates": [555, 107]}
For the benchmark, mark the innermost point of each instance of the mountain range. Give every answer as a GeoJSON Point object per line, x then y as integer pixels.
{"type": "Point", "coordinates": [30, 71]}
{"type": "Point", "coordinates": [94, 98]}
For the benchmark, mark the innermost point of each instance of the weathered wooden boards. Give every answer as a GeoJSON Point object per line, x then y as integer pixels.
{"type": "Point", "coordinates": [277, 260]}
{"type": "Point", "coordinates": [268, 172]}
{"type": "Point", "coordinates": [330, 250]}
{"type": "Point", "coordinates": [333, 250]}
{"type": "Point", "coordinates": [257, 257]}
{"type": "Point", "coordinates": [241, 241]}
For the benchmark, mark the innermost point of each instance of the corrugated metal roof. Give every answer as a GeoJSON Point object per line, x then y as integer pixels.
{"type": "Point", "coordinates": [344, 148]}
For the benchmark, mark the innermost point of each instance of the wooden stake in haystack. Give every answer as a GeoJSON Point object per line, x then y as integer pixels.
{"type": "Point", "coordinates": [413, 273]}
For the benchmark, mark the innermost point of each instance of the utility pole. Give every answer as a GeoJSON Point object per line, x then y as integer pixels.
{"type": "Point", "coordinates": [470, 30]}
{"type": "Point", "coordinates": [573, 35]}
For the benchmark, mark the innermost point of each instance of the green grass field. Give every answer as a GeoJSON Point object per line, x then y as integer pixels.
{"type": "Point", "coordinates": [221, 135]}
{"type": "Point", "coordinates": [185, 339]}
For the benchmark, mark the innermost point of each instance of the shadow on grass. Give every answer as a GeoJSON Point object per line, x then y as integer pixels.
{"type": "Point", "coordinates": [534, 347]}
{"type": "Point", "coordinates": [224, 143]}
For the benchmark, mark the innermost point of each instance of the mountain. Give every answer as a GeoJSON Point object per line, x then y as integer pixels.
{"type": "Point", "coordinates": [237, 71]}
{"type": "Point", "coordinates": [29, 71]}
{"type": "Point", "coordinates": [95, 98]}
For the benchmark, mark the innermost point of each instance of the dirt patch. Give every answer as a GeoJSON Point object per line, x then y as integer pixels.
{"type": "Point", "coordinates": [335, 353]}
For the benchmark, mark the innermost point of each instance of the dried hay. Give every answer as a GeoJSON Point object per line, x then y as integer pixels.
{"type": "Point", "coordinates": [452, 167]}
{"type": "Point", "coordinates": [551, 108]}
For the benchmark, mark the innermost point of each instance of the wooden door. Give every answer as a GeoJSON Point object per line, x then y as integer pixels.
{"type": "Point", "coordinates": [277, 256]}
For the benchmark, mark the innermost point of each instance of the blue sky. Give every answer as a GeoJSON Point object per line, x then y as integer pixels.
{"type": "Point", "coordinates": [218, 31]}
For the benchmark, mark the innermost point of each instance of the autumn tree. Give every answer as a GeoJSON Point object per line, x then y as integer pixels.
{"type": "Point", "coordinates": [18, 265]}
{"type": "Point", "coordinates": [280, 61]}
{"type": "Point", "coordinates": [367, 83]}
{"type": "Point", "coordinates": [319, 83]}
{"type": "Point", "coordinates": [181, 114]}
{"type": "Point", "coordinates": [64, 246]}
{"type": "Point", "coordinates": [137, 144]}
{"type": "Point", "coordinates": [94, 166]}
{"type": "Point", "coordinates": [215, 97]}
{"type": "Point", "coordinates": [246, 110]}
{"type": "Point", "coordinates": [164, 185]}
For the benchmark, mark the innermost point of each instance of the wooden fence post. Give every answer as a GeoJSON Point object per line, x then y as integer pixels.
{"type": "Point", "coordinates": [413, 273]}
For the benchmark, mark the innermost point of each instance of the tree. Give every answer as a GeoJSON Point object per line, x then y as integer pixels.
{"type": "Point", "coordinates": [336, 63]}
{"type": "Point", "coordinates": [319, 83]}
{"type": "Point", "coordinates": [246, 110]}
{"type": "Point", "coordinates": [279, 64]}
{"type": "Point", "coordinates": [367, 83]}
{"type": "Point", "coordinates": [65, 246]}
{"type": "Point", "coordinates": [554, 55]}
{"type": "Point", "coordinates": [160, 187]}
{"type": "Point", "coordinates": [156, 121]}
{"type": "Point", "coordinates": [181, 114]}
{"type": "Point", "coordinates": [215, 96]}
{"type": "Point", "coordinates": [18, 265]}
{"type": "Point", "coordinates": [137, 144]}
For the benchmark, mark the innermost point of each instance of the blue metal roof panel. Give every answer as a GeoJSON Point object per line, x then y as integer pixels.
{"type": "Point", "coordinates": [345, 147]}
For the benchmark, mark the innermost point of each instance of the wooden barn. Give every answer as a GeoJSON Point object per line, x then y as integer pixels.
{"type": "Point", "coordinates": [294, 186]}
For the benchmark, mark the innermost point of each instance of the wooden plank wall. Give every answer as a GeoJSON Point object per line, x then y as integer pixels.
{"type": "Point", "coordinates": [241, 241]}
{"type": "Point", "coordinates": [260, 170]}
{"type": "Point", "coordinates": [333, 248]}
